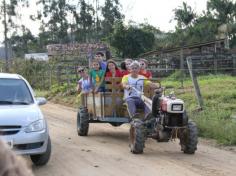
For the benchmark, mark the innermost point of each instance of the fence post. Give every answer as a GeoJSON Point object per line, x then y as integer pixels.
{"type": "Point", "coordinates": [50, 77]}
{"type": "Point", "coordinates": [182, 67]}
{"type": "Point", "coordinates": [234, 63]}
{"type": "Point", "coordinates": [59, 75]}
{"type": "Point", "coordinates": [68, 75]}
{"type": "Point", "coordinates": [195, 83]}
{"type": "Point", "coordinates": [215, 63]}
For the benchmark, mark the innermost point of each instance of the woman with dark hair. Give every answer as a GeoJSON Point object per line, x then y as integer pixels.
{"type": "Point", "coordinates": [124, 69]}
{"type": "Point", "coordinates": [112, 69]}
{"type": "Point", "coordinates": [125, 66]}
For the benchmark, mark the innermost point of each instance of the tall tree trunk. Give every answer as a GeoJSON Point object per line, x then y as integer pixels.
{"type": "Point", "coordinates": [5, 36]}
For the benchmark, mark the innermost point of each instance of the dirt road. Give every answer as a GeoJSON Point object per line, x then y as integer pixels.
{"type": "Point", "coordinates": [105, 152]}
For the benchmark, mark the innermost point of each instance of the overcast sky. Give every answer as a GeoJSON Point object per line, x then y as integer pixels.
{"type": "Point", "coordinates": [158, 13]}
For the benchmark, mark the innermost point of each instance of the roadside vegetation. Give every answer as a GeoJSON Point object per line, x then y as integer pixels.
{"type": "Point", "coordinates": [62, 94]}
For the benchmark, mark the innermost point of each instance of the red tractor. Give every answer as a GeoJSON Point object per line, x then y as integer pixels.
{"type": "Point", "coordinates": [167, 120]}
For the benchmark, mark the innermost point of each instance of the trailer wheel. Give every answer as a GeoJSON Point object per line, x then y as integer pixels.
{"type": "Point", "coordinates": [82, 122]}
{"type": "Point", "coordinates": [189, 139]}
{"type": "Point", "coordinates": [136, 137]}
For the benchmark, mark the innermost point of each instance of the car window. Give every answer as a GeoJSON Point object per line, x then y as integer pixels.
{"type": "Point", "coordinates": [14, 91]}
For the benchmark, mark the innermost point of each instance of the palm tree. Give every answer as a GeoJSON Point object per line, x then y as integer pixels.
{"type": "Point", "coordinates": [184, 15]}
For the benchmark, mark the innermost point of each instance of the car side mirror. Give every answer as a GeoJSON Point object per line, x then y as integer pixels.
{"type": "Point", "coordinates": [41, 100]}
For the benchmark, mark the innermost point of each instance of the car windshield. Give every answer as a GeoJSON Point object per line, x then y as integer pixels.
{"type": "Point", "coordinates": [14, 91]}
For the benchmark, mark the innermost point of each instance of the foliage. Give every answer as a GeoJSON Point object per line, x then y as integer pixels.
{"type": "Point", "coordinates": [222, 10]}
{"type": "Point", "coordinates": [41, 93]}
{"type": "Point", "coordinates": [131, 41]}
{"type": "Point", "coordinates": [184, 15]}
{"type": "Point", "coordinates": [22, 44]}
{"type": "Point", "coordinates": [192, 28]}
{"type": "Point", "coordinates": [64, 89]}
{"type": "Point", "coordinates": [56, 12]}
{"type": "Point", "coordinates": [111, 14]}
{"type": "Point", "coordinates": [64, 21]}
{"type": "Point", "coordinates": [85, 22]}
{"type": "Point", "coordinates": [38, 73]}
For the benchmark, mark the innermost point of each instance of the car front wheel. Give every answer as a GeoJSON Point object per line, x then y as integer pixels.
{"type": "Point", "coordinates": [42, 159]}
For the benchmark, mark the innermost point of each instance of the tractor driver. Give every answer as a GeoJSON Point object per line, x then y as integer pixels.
{"type": "Point", "coordinates": [131, 97]}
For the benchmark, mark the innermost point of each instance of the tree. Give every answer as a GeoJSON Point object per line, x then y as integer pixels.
{"type": "Point", "coordinates": [21, 43]}
{"type": "Point", "coordinates": [8, 12]}
{"type": "Point", "coordinates": [111, 13]}
{"type": "Point", "coordinates": [85, 22]}
{"type": "Point", "coordinates": [54, 19]}
{"type": "Point", "coordinates": [117, 38]}
{"type": "Point", "coordinates": [184, 15]}
{"type": "Point", "coordinates": [224, 12]}
{"type": "Point", "coordinates": [159, 36]}
{"type": "Point", "coordinates": [204, 29]}
{"type": "Point", "coordinates": [131, 41]}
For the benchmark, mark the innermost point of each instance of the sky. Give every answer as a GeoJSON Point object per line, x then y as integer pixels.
{"type": "Point", "coordinates": [158, 13]}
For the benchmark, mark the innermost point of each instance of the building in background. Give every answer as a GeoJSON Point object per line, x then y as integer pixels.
{"type": "Point", "coordinates": [3, 55]}
{"type": "Point", "coordinates": [37, 56]}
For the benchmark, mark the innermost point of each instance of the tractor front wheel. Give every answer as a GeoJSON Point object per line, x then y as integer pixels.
{"type": "Point", "coordinates": [189, 138]}
{"type": "Point", "coordinates": [137, 138]}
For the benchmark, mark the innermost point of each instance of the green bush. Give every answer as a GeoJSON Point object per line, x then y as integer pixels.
{"type": "Point", "coordinates": [63, 89]}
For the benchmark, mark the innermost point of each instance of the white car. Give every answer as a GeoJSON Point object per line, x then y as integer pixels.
{"type": "Point", "coordinates": [22, 124]}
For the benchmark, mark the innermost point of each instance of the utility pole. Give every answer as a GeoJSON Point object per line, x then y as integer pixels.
{"type": "Point", "coordinates": [97, 6]}
{"type": "Point", "coordinates": [5, 36]}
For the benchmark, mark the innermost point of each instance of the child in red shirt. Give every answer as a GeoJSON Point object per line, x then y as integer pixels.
{"type": "Point", "coordinates": [143, 71]}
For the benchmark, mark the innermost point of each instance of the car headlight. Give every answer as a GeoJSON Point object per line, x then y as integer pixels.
{"type": "Point", "coordinates": [177, 107]}
{"type": "Point", "coordinates": [36, 126]}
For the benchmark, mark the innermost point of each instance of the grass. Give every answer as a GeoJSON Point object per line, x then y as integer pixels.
{"type": "Point", "coordinates": [60, 94]}
{"type": "Point", "coordinates": [41, 93]}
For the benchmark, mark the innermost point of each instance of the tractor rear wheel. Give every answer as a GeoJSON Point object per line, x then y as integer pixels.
{"type": "Point", "coordinates": [189, 138]}
{"type": "Point", "coordinates": [137, 138]}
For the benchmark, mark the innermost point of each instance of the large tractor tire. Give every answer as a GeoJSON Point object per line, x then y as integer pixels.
{"type": "Point", "coordinates": [137, 138]}
{"type": "Point", "coordinates": [189, 139]}
{"type": "Point", "coordinates": [82, 122]}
